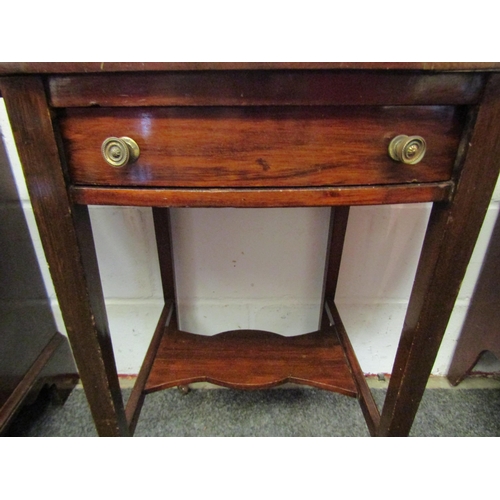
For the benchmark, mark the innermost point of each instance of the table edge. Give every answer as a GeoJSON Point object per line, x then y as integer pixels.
{"type": "Point", "coordinates": [8, 68]}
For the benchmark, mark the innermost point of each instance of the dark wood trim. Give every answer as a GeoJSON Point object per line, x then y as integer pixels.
{"type": "Point", "coordinates": [366, 401]}
{"type": "Point", "coordinates": [67, 239]}
{"type": "Point", "coordinates": [161, 220]}
{"type": "Point", "coordinates": [451, 235]}
{"type": "Point", "coordinates": [136, 399]}
{"type": "Point", "coordinates": [265, 197]}
{"type": "Point", "coordinates": [106, 67]}
{"type": "Point", "coordinates": [258, 88]}
{"type": "Point", "coordinates": [338, 226]}
{"type": "Point", "coordinates": [15, 400]}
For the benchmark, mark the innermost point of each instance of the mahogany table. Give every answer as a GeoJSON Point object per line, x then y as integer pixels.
{"type": "Point", "coordinates": [255, 135]}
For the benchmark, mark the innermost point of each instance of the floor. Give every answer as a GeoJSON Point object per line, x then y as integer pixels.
{"type": "Point", "coordinates": [472, 409]}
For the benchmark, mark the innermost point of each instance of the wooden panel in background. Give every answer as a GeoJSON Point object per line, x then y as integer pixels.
{"type": "Point", "coordinates": [481, 329]}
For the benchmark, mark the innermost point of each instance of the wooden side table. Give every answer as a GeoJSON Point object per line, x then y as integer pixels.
{"type": "Point", "coordinates": [255, 135]}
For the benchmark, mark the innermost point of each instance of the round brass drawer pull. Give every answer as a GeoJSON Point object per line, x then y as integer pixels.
{"type": "Point", "coordinates": [407, 149]}
{"type": "Point", "coordinates": [119, 152]}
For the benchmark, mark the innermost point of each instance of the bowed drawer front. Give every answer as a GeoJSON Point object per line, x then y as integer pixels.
{"type": "Point", "coordinates": [260, 146]}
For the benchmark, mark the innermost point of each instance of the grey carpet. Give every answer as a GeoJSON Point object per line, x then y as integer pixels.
{"type": "Point", "coordinates": [278, 412]}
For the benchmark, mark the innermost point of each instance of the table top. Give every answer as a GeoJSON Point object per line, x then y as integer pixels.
{"type": "Point", "coordinates": [105, 67]}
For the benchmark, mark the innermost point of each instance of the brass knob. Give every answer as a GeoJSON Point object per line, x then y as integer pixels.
{"type": "Point", "coordinates": [407, 149]}
{"type": "Point", "coordinates": [119, 152]}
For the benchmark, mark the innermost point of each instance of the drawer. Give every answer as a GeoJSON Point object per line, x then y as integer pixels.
{"type": "Point", "coordinates": [260, 146]}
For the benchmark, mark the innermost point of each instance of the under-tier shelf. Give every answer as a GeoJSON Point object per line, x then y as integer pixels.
{"type": "Point", "coordinates": [252, 359]}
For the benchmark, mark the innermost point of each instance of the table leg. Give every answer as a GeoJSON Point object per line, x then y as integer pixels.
{"type": "Point", "coordinates": [67, 239]}
{"type": "Point", "coordinates": [168, 318]}
{"type": "Point", "coordinates": [163, 232]}
{"type": "Point", "coordinates": [338, 225]}
{"type": "Point", "coordinates": [448, 245]}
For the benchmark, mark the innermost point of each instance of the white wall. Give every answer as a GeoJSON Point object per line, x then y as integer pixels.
{"type": "Point", "coordinates": [256, 268]}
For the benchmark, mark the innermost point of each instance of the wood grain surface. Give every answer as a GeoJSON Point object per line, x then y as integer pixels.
{"type": "Point", "coordinates": [448, 245]}
{"type": "Point", "coordinates": [250, 359]}
{"type": "Point", "coordinates": [101, 67]}
{"type": "Point", "coordinates": [254, 147]}
{"type": "Point", "coordinates": [68, 243]}
{"type": "Point", "coordinates": [265, 197]}
{"type": "Point", "coordinates": [269, 88]}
